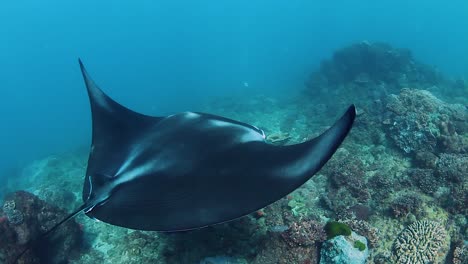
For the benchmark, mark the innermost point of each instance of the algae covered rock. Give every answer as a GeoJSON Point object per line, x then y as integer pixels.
{"type": "Point", "coordinates": [351, 249]}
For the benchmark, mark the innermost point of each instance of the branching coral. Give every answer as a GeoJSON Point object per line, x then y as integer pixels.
{"type": "Point", "coordinates": [459, 254]}
{"type": "Point", "coordinates": [347, 183]}
{"type": "Point", "coordinates": [304, 233]}
{"type": "Point", "coordinates": [381, 186]}
{"type": "Point", "coordinates": [406, 204]}
{"type": "Point", "coordinates": [452, 167]}
{"type": "Point", "coordinates": [420, 243]}
{"type": "Point", "coordinates": [424, 180]}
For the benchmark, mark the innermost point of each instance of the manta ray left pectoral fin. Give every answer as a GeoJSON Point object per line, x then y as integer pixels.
{"type": "Point", "coordinates": [321, 148]}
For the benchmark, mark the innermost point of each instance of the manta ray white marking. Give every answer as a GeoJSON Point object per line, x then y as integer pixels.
{"type": "Point", "coordinates": [136, 151]}
{"type": "Point", "coordinates": [219, 123]}
{"type": "Point", "coordinates": [263, 132]}
{"type": "Point", "coordinates": [134, 173]}
{"type": "Point", "coordinates": [248, 135]}
{"type": "Point", "coordinates": [90, 187]}
{"type": "Point", "coordinates": [160, 163]}
{"type": "Point", "coordinates": [251, 136]}
{"type": "Point", "coordinates": [191, 115]}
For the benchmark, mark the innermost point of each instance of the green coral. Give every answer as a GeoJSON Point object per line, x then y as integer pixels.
{"type": "Point", "coordinates": [334, 229]}
{"type": "Point", "coordinates": [359, 245]}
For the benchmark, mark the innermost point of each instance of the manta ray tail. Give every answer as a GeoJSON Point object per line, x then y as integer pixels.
{"type": "Point", "coordinates": [35, 241]}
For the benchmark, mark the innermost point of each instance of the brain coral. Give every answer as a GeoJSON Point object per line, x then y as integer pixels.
{"type": "Point", "coordinates": [420, 243]}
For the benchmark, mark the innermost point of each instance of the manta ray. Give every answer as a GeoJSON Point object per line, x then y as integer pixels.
{"type": "Point", "coordinates": [189, 170]}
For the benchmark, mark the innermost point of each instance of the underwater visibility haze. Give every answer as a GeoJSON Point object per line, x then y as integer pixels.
{"type": "Point", "coordinates": [395, 191]}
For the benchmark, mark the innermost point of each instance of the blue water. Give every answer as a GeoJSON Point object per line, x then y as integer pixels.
{"type": "Point", "coordinates": [168, 56]}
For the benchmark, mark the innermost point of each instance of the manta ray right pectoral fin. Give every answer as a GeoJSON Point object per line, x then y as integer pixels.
{"type": "Point", "coordinates": [108, 116]}
{"type": "Point", "coordinates": [115, 129]}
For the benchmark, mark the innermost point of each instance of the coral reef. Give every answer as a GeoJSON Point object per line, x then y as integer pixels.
{"type": "Point", "coordinates": [405, 160]}
{"type": "Point", "coordinates": [421, 242]}
{"type": "Point", "coordinates": [356, 67]}
{"type": "Point", "coordinates": [452, 170]}
{"type": "Point", "coordinates": [366, 71]}
{"type": "Point", "coordinates": [347, 187]}
{"type": "Point", "coordinates": [417, 121]}
{"type": "Point", "coordinates": [28, 217]}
